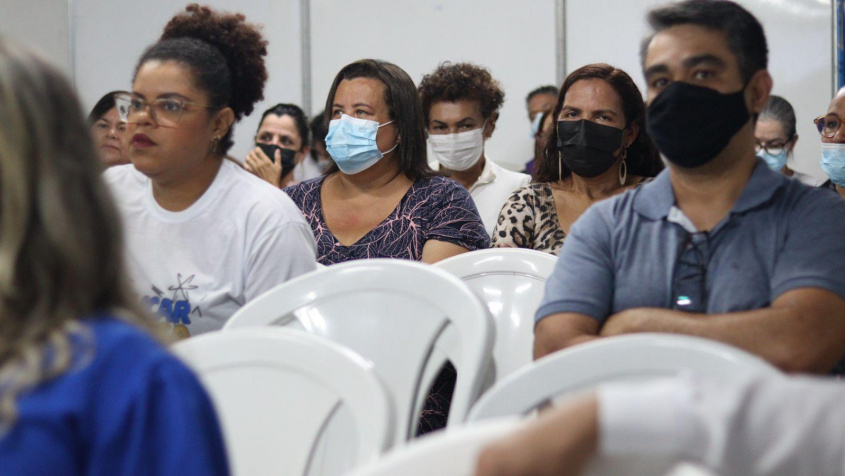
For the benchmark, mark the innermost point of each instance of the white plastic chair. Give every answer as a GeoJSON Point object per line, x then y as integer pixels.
{"type": "Point", "coordinates": [277, 390]}
{"type": "Point", "coordinates": [629, 357]}
{"type": "Point", "coordinates": [399, 314]}
{"type": "Point", "coordinates": [511, 281]}
{"type": "Point", "coordinates": [455, 453]}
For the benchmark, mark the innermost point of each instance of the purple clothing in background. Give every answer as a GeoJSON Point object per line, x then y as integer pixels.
{"type": "Point", "coordinates": [435, 208]}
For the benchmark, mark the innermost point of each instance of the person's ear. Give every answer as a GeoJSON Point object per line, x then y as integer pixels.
{"type": "Point", "coordinates": [792, 144]}
{"type": "Point", "coordinates": [223, 121]}
{"type": "Point", "coordinates": [491, 125]}
{"type": "Point", "coordinates": [630, 135]}
{"type": "Point", "coordinates": [758, 91]}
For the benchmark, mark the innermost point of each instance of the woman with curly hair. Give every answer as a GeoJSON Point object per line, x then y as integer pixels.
{"type": "Point", "coordinates": [598, 148]}
{"type": "Point", "coordinates": [86, 387]}
{"type": "Point", "coordinates": [461, 105]}
{"type": "Point", "coordinates": [379, 198]}
{"type": "Point", "coordinates": [204, 235]}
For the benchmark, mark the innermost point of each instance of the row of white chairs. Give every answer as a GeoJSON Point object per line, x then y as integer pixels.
{"type": "Point", "coordinates": [287, 407]}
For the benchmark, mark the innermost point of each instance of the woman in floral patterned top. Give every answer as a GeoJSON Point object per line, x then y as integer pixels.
{"type": "Point", "coordinates": [388, 203]}
{"type": "Point", "coordinates": [599, 148]}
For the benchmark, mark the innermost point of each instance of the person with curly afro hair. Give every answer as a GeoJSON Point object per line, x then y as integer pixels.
{"type": "Point", "coordinates": [461, 105]}
{"type": "Point", "coordinates": [204, 235]}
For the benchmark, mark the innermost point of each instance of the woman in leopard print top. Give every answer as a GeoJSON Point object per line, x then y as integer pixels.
{"type": "Point", "coordinates": [538, 216]}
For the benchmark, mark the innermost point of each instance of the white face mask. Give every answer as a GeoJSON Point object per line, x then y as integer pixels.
{"type": "Point", "coordinates": [459, 151]}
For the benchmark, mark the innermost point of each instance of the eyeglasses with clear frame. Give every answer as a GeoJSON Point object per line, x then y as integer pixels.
{"type": "Point", "coordinates": [828, 125]}
{"type": "Point", "coordinates": [165, 112]}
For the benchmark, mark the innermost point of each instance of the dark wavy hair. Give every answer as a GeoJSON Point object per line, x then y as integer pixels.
{"type": "Point", "coordinates": [403, 107]}
{"type": "Point", "coordinates": [104, 105]}
{"type": "Point", "coordinates": [298, 116]}
{"type": "Point", "coordinates": [224, 52]}
{"type": "Point", "coordinates": [453, 82]}
{"type": "Point", "coordinates": [643, 159]}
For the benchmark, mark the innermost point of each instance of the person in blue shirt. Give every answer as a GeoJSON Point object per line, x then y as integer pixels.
{"type": "Point", "coordinates": [86, 387]}
{"type": "Point", "coordinates": [718, 245]}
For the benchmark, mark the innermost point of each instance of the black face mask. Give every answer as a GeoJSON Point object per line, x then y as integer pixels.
{"type": "Point", "coordinates": [288, 156]}
{"type": "Point", "coordinates": [691, 125]}
{"type": "Point", "coordinates": [586, 147]}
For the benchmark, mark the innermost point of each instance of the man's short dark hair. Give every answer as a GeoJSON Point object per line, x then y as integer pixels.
{"type": "Point", "coordinates": [550, 90]}
{"type": "Point", "coordinates": [744, 32]}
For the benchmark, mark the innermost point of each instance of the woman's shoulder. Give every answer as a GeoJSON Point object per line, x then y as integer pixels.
{"type": "Point", "coordinates": [125, 182]}
{"type": "Point", "coordinates": [116, 354]}
{"type": "Point", "coordinates": [531, 193]}
{"type": "Point", "coordinates": [305, 190]}
{"type": "Point", "coordinates": [436, 190]}
{"type": "Point", "coordinates": [128, 357]}
{"type": "Point", "coordinates": [126, 173]}
{"type": "Point", "coordinates": [437, 183]}
{"type": "Point", "coordinates": [117, 341]}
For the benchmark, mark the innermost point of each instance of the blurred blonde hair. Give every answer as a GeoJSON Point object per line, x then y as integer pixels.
{"type": "Point", "coordinates": [60, 239]}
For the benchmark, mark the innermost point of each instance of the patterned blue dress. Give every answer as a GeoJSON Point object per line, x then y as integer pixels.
{"type": "Point", "coordinates": [435, 208]}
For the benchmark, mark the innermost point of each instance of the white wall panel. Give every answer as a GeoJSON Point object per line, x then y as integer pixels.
{"type": "Point", "coordinates": [515, 40]}
{"type": "Point", "coordinates": [39, 24]}
{"type": "Point", "coordinates": [800, 44]}
{"type": "Point", "coordinates": [110, 36]}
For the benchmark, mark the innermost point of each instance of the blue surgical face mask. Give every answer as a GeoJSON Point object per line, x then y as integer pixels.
{"type": "Point", "coordinates": [775, 162]}
{"type": "Point", "coordinates": [352, 143]}
{"type": "Point", "coordinates": [535, 124]}
{"type": "Point", "coordinates": [833, 162]}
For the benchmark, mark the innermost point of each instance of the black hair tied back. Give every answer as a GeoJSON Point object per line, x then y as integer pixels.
{"type": "Point", "coordinates": [225, 53]}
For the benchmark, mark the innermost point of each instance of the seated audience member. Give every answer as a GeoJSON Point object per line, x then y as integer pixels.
{"type": "Point", "coordinates": [718, 245]}
{"type": "Point", "coordinates": [109, 131]}
{"type": "Point", "coordinates": [751, 427]}
{"type": "Point", "coordinates": [461, 105]}
{"type": "Point", "coordinates": [833, 143]}
{"type": "Point", "coordinates": [284, 126]}
{"type": "Point", "coordinates": [776, 138]}
{"type": "Point", "coordinates": [86, 387]}
{"type": "Point", "coordinates": [380, 199]}
{"type": "Point", "coordinates": [599, 148]}
{"type": "Point", "coordinates": [538, 103]}
{"type": "Point", "coordinates": [204, 235]}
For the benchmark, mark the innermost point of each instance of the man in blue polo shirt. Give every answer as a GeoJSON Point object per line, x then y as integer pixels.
{"type": "Point", "coordinates": [718, 245]}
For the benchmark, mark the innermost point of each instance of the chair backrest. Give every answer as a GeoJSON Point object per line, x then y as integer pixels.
{"type": "Point", "coordinates": [444, 453]}
{"type": "Point", "coordinates": [455, 453]}
{"type": "Point", "coordinates": [277, 390]}
{"type": "Point", "coordinates": [511, 281]}
{"type": "Point", "coordinates": [398, 314]}
{"type": "Point", "coordinates": [629, 357]}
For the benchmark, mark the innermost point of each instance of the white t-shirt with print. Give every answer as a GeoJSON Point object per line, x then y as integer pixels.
{"type": "Point", "coordinates": [195, 268]}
